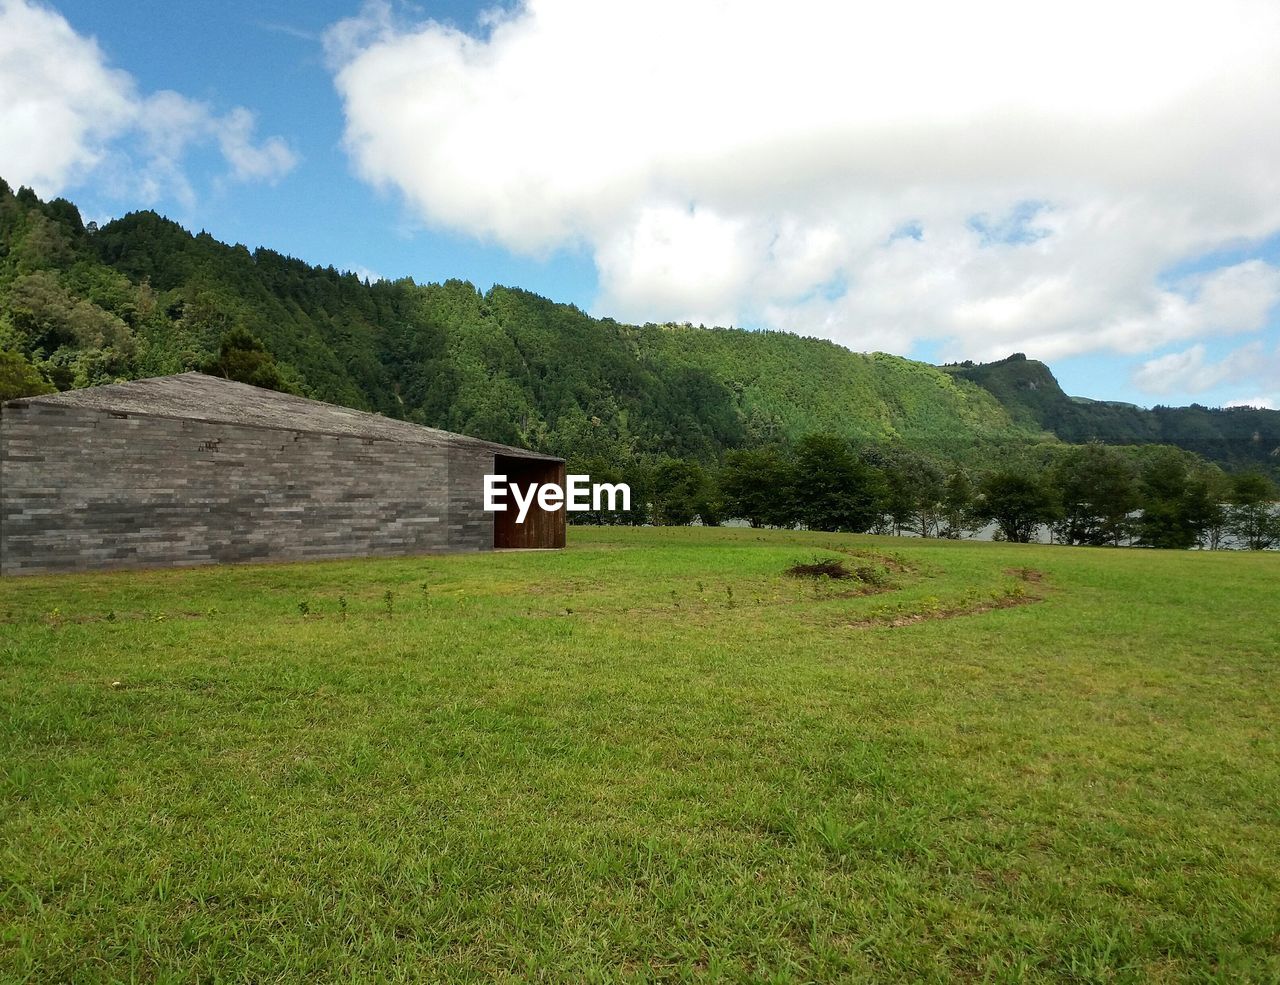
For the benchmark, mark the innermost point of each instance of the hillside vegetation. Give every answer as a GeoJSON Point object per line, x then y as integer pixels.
{"type": "Point", "coordinates": [142, 296]}
{"type": "Point", "coordinates": [653, 757]}
{"type": "Point", "coordinates": [1234, 437]}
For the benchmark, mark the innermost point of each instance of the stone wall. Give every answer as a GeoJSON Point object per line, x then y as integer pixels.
{"type": "Point", "coordinates": [86, 489]}
{"type": "Point", "coordinates": [469, 524]}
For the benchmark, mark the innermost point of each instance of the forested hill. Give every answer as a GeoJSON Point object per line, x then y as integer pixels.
{"type": "Point", "coordinates": [141, 296]}
{"type": "Point", "coordinates": [1235, 437]}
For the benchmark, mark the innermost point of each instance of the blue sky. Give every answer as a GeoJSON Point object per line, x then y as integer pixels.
{"type": "Point", "coordinates": [269, 57]}
{"type": "Point", "coordinates": [654, 162]}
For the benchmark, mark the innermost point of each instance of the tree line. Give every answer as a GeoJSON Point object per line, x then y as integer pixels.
{"type": "Point", "coordinates": [1087, 495]}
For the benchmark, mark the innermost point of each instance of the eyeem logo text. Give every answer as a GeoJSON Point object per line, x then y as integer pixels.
{"type": "Point", "coordinates": [553, 497]}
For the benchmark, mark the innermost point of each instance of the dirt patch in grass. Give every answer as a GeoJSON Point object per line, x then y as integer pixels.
{"type": "Point", "coordinates": [893, 562]}
{"type": "Point", "coordinates": [1025, 574]}
{"type": "Point", "coordinates": [953, 612]}
{"type": "Point", "coordinates": [827, 567]}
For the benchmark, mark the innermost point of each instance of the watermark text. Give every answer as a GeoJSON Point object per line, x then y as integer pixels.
{"type": "Point", "coordinates": [578, 494]}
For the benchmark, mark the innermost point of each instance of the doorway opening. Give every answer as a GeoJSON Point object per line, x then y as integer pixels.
{"type": "Point", "coordinates": [541, 528]}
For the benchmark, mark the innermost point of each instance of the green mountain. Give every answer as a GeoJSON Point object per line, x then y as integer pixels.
{"type": "Point", "coordinates": [1234, 437]}
{"type": "Point", "coordinates": [142, 296]}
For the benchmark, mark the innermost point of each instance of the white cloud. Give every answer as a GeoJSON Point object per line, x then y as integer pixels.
{"type": "Point", "coordinates": [995, 175]}
{"type": "Point", "coordinates": [1262, 403]}
{"type": "Point", "coordinates": [66, 113]}
{"type": "Point", "coordinates": [1192, 371]}
{"type": "Point", "coordinates": [251, 161]}
{"type": "Point", "coordinates": [59, 100]}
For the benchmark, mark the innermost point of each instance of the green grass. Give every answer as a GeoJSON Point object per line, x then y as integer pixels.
{"type": "Point", "coordinates": [652, 757]}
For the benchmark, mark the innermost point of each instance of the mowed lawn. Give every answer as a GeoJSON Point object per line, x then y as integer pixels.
{"type": "Point", "coordinates": [651, 757]}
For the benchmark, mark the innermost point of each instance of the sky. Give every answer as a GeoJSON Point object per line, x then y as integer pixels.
{"type": "Point", "coordinates": [1094, 184]}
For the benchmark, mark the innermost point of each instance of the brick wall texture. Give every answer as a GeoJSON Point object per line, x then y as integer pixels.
{"type": "Point", "coordinates": [84, 489]}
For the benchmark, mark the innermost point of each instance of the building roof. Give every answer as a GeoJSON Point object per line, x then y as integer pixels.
{"type": "Point", "coordinates": [197, 397]}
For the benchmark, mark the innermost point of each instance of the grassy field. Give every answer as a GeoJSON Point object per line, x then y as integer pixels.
{"type": "Point", "coordinates": [652, 757]}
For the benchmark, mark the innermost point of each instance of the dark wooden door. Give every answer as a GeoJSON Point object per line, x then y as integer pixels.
{"type": "Point", "coordinates": [541, 528]}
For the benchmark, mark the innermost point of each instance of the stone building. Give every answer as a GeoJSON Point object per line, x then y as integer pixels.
{"type": "Point", "coordinates": [193, 469]}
